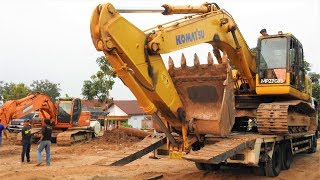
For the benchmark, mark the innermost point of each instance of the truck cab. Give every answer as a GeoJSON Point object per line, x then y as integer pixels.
{"type": "Point", "coordinates": [16, 125]}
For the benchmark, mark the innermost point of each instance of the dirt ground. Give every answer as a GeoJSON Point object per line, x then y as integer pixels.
{"type": "Point", "coordinates": [77, 162]}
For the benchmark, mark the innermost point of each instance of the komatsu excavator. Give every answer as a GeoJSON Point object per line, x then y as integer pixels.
{"type": "Point", "coordinates": [70, 123]}
{"type": "Point", "coordinates": [200, 107]}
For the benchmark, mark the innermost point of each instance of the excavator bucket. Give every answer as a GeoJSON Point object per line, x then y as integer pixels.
{"type": "Point", "coordinates": [206, 91]}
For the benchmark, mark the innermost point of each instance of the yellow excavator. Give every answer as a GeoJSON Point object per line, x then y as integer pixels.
{"type": "Point", "coordinates": [265, 92]}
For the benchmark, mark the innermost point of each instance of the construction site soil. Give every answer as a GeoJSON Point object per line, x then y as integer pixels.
{"type": "Point", "coordinates": [78, 162]}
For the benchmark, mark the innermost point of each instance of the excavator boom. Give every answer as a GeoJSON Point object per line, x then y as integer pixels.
{"type": "Point", "coordinates": [18, 108]}
{"type": "Point", "coordinates": [175, 98]}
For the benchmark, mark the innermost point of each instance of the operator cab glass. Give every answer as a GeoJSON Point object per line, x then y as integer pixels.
{"type": "Point", "coordinates": [64, 111]}
{"type": "Point", "coordinates": [273, 60]}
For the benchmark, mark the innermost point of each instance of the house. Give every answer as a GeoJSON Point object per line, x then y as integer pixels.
{"type": "Point", "coordinates": [128, 111]}
{"type": "Point", "coordinates": [96, 108]}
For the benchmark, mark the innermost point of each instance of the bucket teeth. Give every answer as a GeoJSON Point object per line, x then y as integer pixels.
{"type": "Point", "coordinates": [183, 61]}
{"type": "Point", "coordinates": [171, 64]}
{"type": "Point", "coordinates": [224, 57]}
{"type": "Point", "coordinates": [196, 60]}
{"type": "Point", "coordinates": [210, 59]}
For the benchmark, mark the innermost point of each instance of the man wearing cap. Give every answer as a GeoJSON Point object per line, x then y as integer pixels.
{"type": "Point", "coordinates": [26, 140]}
{"type": "Point", "coordinates": [263, 32]}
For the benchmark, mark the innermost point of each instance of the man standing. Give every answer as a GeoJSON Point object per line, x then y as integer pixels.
{"type": "Point", "coordinates": [263, 32]}
{"type": "Point", "coordinates": [45, 142]}
{"type": "Point", "coordinates": [26, 140]}
{"type": "Point", "coordinates": [2, 130]}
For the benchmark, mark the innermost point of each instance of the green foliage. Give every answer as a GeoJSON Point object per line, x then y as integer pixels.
{"type": "Point", "coordinates": [306, 66]}
{"type": "Point", "coordinates": [100, 84]}
{"type": "Point", "coordinates": [12, 91]}
{"type": "Point", "coordinates": [315, 84]}
{"type": "Point", "coordinates": [254, 50]}
{"type": "Point", "coordinates": [126, 124]}
{"type": "Point", "coordinates": [315, 77]}
{"type": "Point", "coordinates": [47, 87]}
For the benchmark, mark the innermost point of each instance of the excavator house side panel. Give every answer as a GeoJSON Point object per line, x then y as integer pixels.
{"type": "Point", "coordinates": [84, 119]}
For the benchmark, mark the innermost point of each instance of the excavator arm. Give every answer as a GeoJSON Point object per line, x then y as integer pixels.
{"type": "Point", "coordinates": [172, 96]}
{"type": "Point", "coordinates": [19, 108]}
{"type": "Point", "coordinates": [214, 26]}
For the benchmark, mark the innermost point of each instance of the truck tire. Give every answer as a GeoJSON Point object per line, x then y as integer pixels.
{"type": "Point", "coordinates": [259, 170]}
{"type": "Point", "coordinates": [313, 148]}
{"type": "Point", "coordinates": [212, 167]}
{"type": "Point", "coordinates": [273, 165]}
{"type": "Point", "coordinates": [287, 156]}
{"type": "Point", "coordinates": [207, 166]}
{"type": "Point", "coordinates": [200, 166]}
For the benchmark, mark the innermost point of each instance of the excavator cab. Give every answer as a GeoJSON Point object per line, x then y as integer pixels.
{"type": "Point", "coordinates": [69, 111]}
{"type": "Point", "coordinates": [281, 66]}
{"type": "Point", "coordinates": [273, 60]}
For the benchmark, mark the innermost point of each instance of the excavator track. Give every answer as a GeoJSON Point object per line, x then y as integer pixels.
{"type": "Point", "coordinates": [282, 118]}
{"type": "Point", "coordinates": [272, 118]}
{"type": "Point", "coordinates": [69, 137]}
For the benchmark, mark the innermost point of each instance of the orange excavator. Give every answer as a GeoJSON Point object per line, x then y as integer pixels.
{"type": "Point", "coordinates": [18, 108]}
{"type": "Point", "coordinates": [70, 123]}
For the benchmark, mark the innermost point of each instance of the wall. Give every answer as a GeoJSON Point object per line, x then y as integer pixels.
{"type": "Point", "coordinates": [135, 121]}
{"type": "Point", "coordinates": [116, 111]}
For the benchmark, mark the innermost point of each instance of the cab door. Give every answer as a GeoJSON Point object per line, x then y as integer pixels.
{"type": "Point", "coordinates": [296, 65]}
{"type": "Point", "coordinates": [76, 112]}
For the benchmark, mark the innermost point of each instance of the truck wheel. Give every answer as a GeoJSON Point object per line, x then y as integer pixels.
{"type": "Point", "coordinates": [200, 166]}
{"type": "Point", "coordinates": [313, 148]}
{"type": "Point", "coordinates": [259, 170]}
{"type": "Point", "coordinates": [286, 155]}
{"type": "Point", "coordinates": [212, 167]}
{"type": "Point", "coordinates": [273, 165]}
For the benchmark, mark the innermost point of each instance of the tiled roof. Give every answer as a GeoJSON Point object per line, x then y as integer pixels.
{"type": "Point", "coordinates": [93, 103]}
{"type": "Point", "coordinates": [130, 107]}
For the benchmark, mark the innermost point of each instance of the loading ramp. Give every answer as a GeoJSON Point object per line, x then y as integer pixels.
{"type": "Point", "coordinates": [136, 151]}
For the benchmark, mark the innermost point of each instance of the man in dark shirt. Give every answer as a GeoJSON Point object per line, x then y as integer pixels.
{"type": "Point", "coordinates": [263, 32]}
{"type": "Point", "coordinates": [45, 142]}
{"type": "Point", "coordinates": [26, 140]}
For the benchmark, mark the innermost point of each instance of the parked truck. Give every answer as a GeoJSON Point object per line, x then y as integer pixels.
{"type": "Point", "coordinates": [253, 107]}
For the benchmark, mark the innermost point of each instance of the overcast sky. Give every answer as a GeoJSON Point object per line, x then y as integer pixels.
{"type": "Point", "coordinates": [50, 39]}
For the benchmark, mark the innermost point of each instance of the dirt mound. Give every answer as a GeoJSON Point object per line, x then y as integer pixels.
{"type": "Point", "coordinates": [118, 136]}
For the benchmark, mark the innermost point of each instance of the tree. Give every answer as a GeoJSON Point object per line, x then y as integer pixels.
{"type": "Point", "coordinates": [315, 85]}
{"type": "Point", "coordinates": [47, 87]}
{"type": "Point", "coordinates": [100, 84]}
{"type": "Point", "coordinates": [315, 77]}
{"type": "Point", "coordinates": [12, 91]}
{"type": "Point", "coordinates": [306, 66]}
